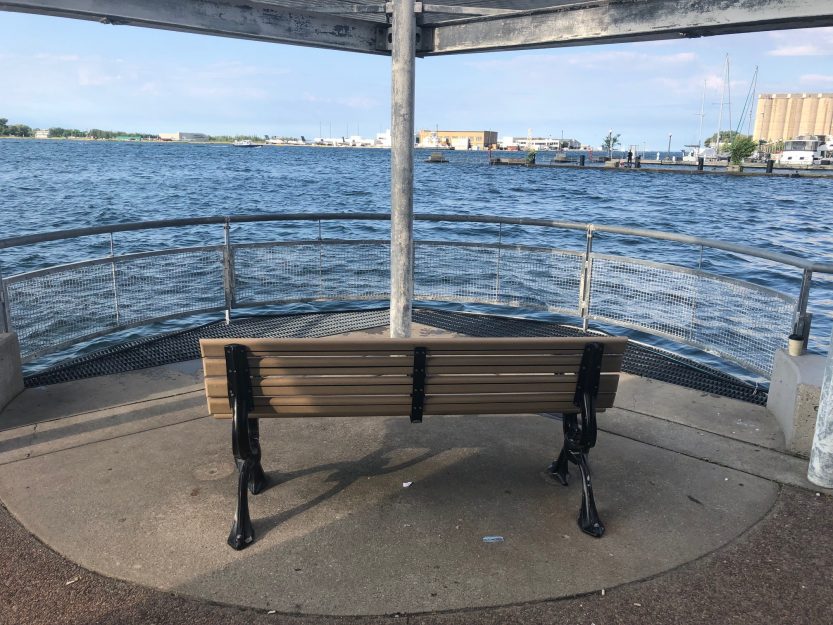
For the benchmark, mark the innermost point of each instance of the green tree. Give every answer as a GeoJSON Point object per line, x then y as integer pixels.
{"type": "Point", "coordinates": [19, 130]}
{"type": "Point", "coordinates": [3, 126]}
{"type": "Point", "coordinates": [742, 147]}
{"type": "Point", "coordinates": [726, 137]}
{"type": "Point", "coordinates": [610, 142]}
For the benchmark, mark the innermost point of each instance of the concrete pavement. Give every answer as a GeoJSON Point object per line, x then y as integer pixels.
{"type": "Point", "coordinates": [138, 485]}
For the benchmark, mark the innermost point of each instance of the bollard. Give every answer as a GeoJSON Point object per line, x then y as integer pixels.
{"type": "Point", "coordinates": [769, 165]}
{"type": "Point", "coordinates": [581, 160]}
{"type": "Point", "coordinates": [638, 162]}
{"type": "Point", "coordinates": [820, 471]}
{"type": "Point", "coordinates": [700, 161]}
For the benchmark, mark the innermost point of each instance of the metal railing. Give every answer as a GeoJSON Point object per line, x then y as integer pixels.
{"type": "Point", "coordinates": [56, 306]}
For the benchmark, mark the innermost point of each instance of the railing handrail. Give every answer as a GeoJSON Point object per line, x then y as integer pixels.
{"type": "Point", "coordinates": [778, 257]}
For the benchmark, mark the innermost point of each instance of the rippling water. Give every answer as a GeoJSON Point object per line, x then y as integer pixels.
{"type": "Point", "coordinates": [52, 185]}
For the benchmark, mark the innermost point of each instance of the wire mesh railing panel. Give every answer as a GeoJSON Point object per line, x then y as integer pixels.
{"type": "Point", "coordinates": [739, 321]}
{"type": "Point", "coordinates": [62, 306]}
{"type": "Point", "coordinates": [355, 271]}
{"type": "Point", "coordinates": [542, 279]}
{"type": "Point", "coordinates": [178, 283]}
{"type": "Point", "coordinates": [455, 273]}
{"type": "Point", "coordinates": [308, 271]}
{"type": "Point", "coordinates": [743, 322]}
{"type": "Point", "coordinates": [276, 273]}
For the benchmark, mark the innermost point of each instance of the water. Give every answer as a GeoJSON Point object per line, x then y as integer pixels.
{"type": "Point", "coordinates": [52, 185]}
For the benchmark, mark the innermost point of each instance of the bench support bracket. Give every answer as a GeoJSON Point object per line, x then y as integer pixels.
{"type": "Point", "coordinates": [580, 438]}
{"type": "Point", "coordinates": [418, 389]}
{"type": "Point", "coordinates": [245, 442]}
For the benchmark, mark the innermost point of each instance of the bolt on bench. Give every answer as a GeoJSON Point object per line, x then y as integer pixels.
{"type": "Point", "coordinates": [256, 378]}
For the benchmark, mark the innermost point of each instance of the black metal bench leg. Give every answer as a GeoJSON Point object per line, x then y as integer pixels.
{"type": "Point", "coordinates": [257, 478]}
{"type": "Point", "coordinates": [588, 517]}
{"type": "Point", "coordinates": [560, 468]}
{"type": "Point", "coordinates": [242, 533]}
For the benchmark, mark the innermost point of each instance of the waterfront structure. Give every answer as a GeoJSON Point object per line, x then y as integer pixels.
{"type": "Point", "coordinates": [183, 136]}
{"type": "Point", "coordinates": [540, 143]}
{"type": "Point", "coordinates": [458, 139]}
{"type": "Point", "coordinates": [41, 134]}
{"type": "Point", "coordinates": [785, 116]}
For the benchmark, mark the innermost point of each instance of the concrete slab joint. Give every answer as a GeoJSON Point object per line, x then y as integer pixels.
{"type": "Point", "coordinates": [794, 398]}
{"type": "Point", "coordinates": [11, 374]}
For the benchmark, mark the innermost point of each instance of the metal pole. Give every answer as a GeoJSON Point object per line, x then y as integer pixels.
{"type": "Point", "coordinates": [586, 277]}
{"type": "Point", "coordinates": [115, 282]}
{"type": "Point", "coordinates": [820, 471]}
{"type": "Point", "coordinates": [403, 69]}
{"type": "Point", "coordinates": [801, 322]}
{"type": "Point", "coordinates": [228, 270]}
{"type": "Point", "coordinates": [497, 267]}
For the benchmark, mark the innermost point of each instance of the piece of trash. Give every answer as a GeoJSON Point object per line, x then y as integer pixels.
{"type": "Point", "coordinates": [725, 479]}
{"type": "Point", "coordinates": [72, 581]}
{"type": "Point", "coordinates": [272, 612]}
{"type": "Point", "coordinates": [493, 539]}
{"type": "Point", "coordinates": [818, 494]}
{"type": "Point", "coordinates": [638, 605]}
{"type": "Point", "coordinates": [406, 484]}
{"type": "Point", "coordinates": [603, 592]}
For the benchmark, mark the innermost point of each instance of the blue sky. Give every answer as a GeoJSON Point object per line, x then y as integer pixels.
{"type": "Point", "coordinates": [59, 72]}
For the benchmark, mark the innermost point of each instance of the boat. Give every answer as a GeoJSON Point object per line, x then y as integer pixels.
{"type": "Point", "coordinates": [436, 157]}
{"type": "Point", "coordinates": [807, 150]}
{"type": "Point", "coordinates": [245, 143]}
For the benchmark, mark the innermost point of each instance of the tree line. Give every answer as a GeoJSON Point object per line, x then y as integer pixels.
{"type": "Point", "coordinates": [22, 130]}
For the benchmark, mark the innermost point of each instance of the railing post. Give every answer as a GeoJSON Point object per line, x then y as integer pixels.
{"type": "Point", "coordinates": [497, 268]}
{"type": "Point", "coordinates": [586, 278]}
{"type": "Point", "coordinates": [5, 311]}
{"type": "Point", "coordinates": [115, 282]}
{"type": "Point", "coordinates": [228, 269]}
{"type": "Point", "coordinates": [320, 263]}
{"type": "Point", "coordinates": [802, 320]}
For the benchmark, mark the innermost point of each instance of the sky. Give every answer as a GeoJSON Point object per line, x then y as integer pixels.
{"type": "Point", "coordinates": [78, 74]}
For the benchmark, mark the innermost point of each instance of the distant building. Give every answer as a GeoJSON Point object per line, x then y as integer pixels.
{"type": "Point", "coordinates": [41, 134]}
{"type": "Point", "coordinates": [540, 143]}
{"type": "Point", "coordinates": [784, 116]}
{"type": "Point", "coordinates": [183, 136]}
{"type": "Point", "coordinates": [458, 139]}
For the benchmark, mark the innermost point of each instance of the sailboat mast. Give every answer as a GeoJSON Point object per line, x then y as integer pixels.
{"type": "Point", "coordinates": [720, 115]}
{"type": "Point", "coordinates": [752, 91]}
{"type": "Point", "coordinates": [729, 95]}
{"type": "Point", "coordinates": [700, 132]}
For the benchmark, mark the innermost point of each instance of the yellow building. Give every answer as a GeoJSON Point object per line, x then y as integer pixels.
{"type": "Point", "coordinates": [458, 139]}
{"type": "Point", "coordinates": [784, 116]}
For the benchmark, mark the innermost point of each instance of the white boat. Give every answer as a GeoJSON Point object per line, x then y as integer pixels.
{"type": "Point", "coordinates": [807, 150]}
{"type": "Point", "coordinates": [245, 143]}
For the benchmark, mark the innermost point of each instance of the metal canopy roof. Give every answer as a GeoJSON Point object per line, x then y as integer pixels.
{"type": "Point", "coordinates": [447, 26]}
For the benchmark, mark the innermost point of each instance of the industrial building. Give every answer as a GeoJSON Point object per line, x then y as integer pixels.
{"type": "Point", "coordinates": [784, 116]}
{"type": "Point", "coordinates": [183, 136]}
{"type": "Point", "coordinates": [458, 139]}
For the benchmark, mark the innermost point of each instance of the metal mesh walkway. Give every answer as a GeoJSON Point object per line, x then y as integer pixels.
{"type": "Point", "coordinates": [180, 346]}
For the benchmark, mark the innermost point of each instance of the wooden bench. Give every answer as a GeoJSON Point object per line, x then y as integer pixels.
{"type": "Point", "coordinates": [251, 379]}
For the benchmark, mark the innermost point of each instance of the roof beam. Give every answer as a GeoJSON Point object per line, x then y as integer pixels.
{"type": "Point", "coordinates": [243, 19]}
{"type": "Point", "coordinates": [589, 22]}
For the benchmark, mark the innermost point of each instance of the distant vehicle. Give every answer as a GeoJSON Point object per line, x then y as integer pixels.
{"type": "Point", "coordinates": [691, 156]}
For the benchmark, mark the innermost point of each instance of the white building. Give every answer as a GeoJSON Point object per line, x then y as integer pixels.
{"type": "Point", "coordinates": [383, 139]}
{"type": "Point", "coordinates": [41, 134]}
{"type": "Point", "coordinates": [183, 136]}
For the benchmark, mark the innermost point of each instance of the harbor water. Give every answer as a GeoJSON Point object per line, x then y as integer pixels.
{"type": "Point", "coordinates": [54, 185]}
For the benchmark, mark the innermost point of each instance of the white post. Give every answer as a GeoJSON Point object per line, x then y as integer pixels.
{"type": "Point", "coordinates": [820, 471]}
{"type": "Point", "coordinates": [403, 69]}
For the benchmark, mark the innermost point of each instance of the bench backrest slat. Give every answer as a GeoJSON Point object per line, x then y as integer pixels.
{"type": "Point", "coordinates": [372, 377]}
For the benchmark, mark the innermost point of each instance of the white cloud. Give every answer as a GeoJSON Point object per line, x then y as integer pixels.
{"type": "Point", "coordinates": [817, 79]}
{"type": "Point", "coordinates": [811, 42]}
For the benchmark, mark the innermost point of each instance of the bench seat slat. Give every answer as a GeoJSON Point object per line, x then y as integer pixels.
{"type": "Point", "coordinates": [215, 368]}
{"type": "Point", "coordinates": [275, 387]}
{"type": "Point", "coordinates": [215, 348]}
{"type": "Point", "coordinates": [220, 409]}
